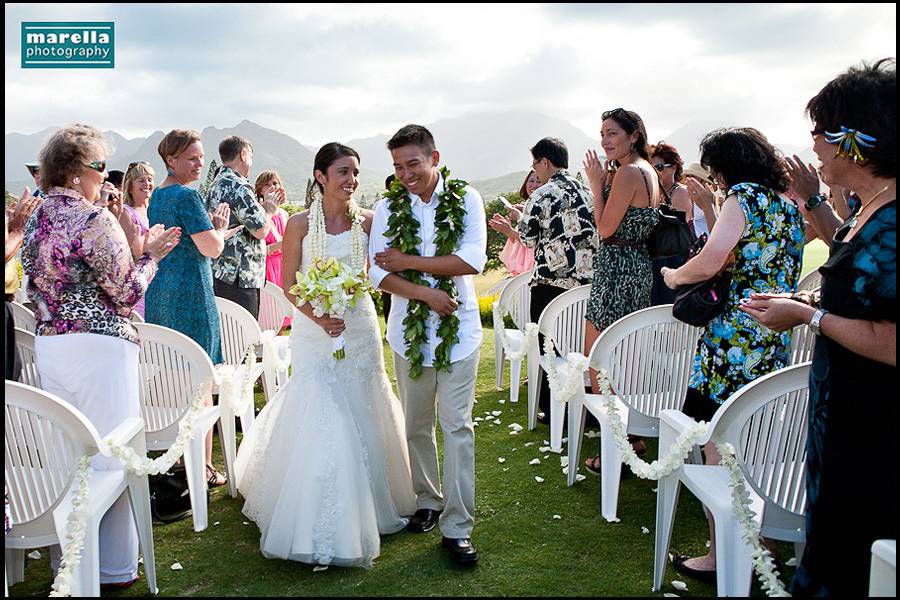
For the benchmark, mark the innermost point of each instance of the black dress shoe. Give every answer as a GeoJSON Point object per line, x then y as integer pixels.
{"type": "Point", "coordinates": [424, 520]}
{"type": "Point", "coordinates": [461, 550]}
{"type": "Point", "coordinates": [678, 562]}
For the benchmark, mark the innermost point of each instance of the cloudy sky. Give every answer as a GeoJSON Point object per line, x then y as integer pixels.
{"type": "Point", "coordinates": [321, 72]}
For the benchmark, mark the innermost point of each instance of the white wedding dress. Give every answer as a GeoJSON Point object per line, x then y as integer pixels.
{"type": "Point", "coordinates": [325, 468]}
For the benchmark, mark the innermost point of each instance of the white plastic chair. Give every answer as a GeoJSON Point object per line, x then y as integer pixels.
{"type": "Point", "coordinates": [647, 356]}
{"type": "Point", "coordinates": [22, 293]}
{"type": "Point", "coordinates": [563, 321]}
{"type": "Point", "coordinates": [25, 348]}
{"type": "Point", "coordinates": [803, 342]}
{"type": "Point", "coordinates": [883, 574]}
{"type": "Point", "coordinates": [45, 437]}
{"type": "Point", "coordinates": [136, 317]}
{"type": "Point", "coordinates": [811, 282]}
{"type": "Point", "coordinates": [173, 366]}
{"type": "Point", "coordinates": [766, 422]}
{"type": "Point", "coordinates": [24, 318]}
{"type": "Point", "coordinates": [274, 308]}
{"type": "Point", "coordinates": [238, 330]}
{"type": "Point", "coordinates": [515, 299]}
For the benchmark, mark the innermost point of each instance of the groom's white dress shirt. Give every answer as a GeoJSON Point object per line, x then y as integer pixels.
{"type": "Point", "coordinates": [472, 249]}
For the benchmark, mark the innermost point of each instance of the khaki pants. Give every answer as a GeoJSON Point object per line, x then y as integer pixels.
{"type": "Point", "coordinates": [453, 394]}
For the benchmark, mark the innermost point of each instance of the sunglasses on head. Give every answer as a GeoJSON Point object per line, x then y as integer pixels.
{"type": "Point", "coordinates": [33, 169]}
{"type": "Point", "coordinates": [661, 166]}
{"type": "Point", "coordinates": [97, 165]}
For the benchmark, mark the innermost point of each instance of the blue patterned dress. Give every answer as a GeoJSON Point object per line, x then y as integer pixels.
{"type": "Point", "coordinates": [851, 491]}
{"type": "Point", "coordinates": [181, 296]}
{"type": "Point", "coordinates": [734, 349]}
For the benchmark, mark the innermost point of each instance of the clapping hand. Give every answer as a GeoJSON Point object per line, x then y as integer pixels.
{"type": "Point", "coordinates": [597, 171]}
{"type": "Point", "coordinates": [804, 179]}
{"type": "Point", "coordinates": [701, 194]}
{"type": "Point", "coordinates": [132, 234]}
{"type": "Point", "coordinates": [221, 216]}
{"type": "Point", "coordinates": [502, 225]}
{"type": "Point", "coordinates": [159, 242]}
{"type": "Point", "coordinates": [111, 197]}
{"type": "Point", "coordinates": [230, 233]}
{"type": "Point", "coordinates": [272, 200]}
{"type": "Point", "coordinates": [18, 213]}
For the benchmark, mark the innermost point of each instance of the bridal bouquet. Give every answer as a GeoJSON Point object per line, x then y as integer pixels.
{"type": "Point", "coordinates": [331, 287]}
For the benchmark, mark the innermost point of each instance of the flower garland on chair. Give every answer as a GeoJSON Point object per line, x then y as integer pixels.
{"type": "Point", "coordinates": [403, 233]}
{"type": "Point", "coordinates": [572, 379]}
{"type": "Point", "coordinates": [76, 530]}
{"type": "Point", "coordinates": [531, 333]}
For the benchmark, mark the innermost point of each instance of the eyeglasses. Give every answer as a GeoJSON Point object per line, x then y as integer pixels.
{"type": "Point", "coordinates": [534, 163]}
{"type": "Point", "coordinates": [612, 113]}
{"type": "Point", "coordinates": [816, 132]}
{"type": "Point", "coordinates": [33, 169]}
{"type": "Point", "coordinates": [660, 166]}
{"type": "Point", "coordinates": [97, 165]}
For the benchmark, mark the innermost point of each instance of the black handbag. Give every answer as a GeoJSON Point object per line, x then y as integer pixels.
{"type": "Point", "coordinates": [169, 497]}
{"type": "Point", "coordinates": [699, 303]}
{"type": "Point", "coordinates": [672, 236]}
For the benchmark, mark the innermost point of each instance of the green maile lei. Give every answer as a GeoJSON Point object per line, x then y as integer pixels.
{"type": "Point", "coordinates": [403, 233]}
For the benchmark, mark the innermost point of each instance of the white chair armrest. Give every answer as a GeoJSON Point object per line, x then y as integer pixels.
{"type": "Point", "coordinates": [125, 433]}
{"type": "Point", "coordinates": [672, 423]}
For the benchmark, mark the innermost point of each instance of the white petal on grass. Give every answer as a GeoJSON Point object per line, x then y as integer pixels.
{"type": "Point", "coordinates": [501, 460]}
{"type": "Point", "coordinates": [34, 555]}
{"type": "Point", "coordinates": [246, 522]}
{"type": "Point", "coordinates": [217, 523]}
{"type": "Point", "coordinates": [679, 585]}
{"type": "Point", "coordinates": [564, 461]}
{"type": "Point", "coordinates": [592, 434]}
{"type": "Point", "coordinates": [513, 433]}
{"type": "Point", "coordinates": [580, 477]}
{"type": "Point", "coordinates": [141, 560]}
{"type": "Point", "coordinates": [529, 444]}
{"type": "Point", "coordinates": [176, 567]}
{"type": "Point", "coordinates": [505, 469]}
{"type": "Point", "coordinates": [792, 562]}
{"type": "Point", "coordinates": [644, 530]}
{"type": "Point", "coordinates": [498, 422]}
{"type": "Point", "coordinates": [515, 427]}
{"type": "Point", "coordinates": [546, 456]}
{"type": "Point", "coordinates": [535, 461]}
{"type": "Point", "coordinates": [496, 413]}
{"type": "Point", "coordinates": [615, 520]}
{"type": "Point", "coordinates": [708, 543]}
{"type": "Point", "coordinates": [477, 419]}
{"type": "Point", "coordinates": [671, 595]}
{"type": "Point", "coordinates": [502, 401]}
{"type": "Point", "coordinates": [565, 440]}
{"type": "Point", "coordinates": [539, 479]}
{"type": "Point", "coordinates": [565, 470]}
{"type": "Point", "coordinates": [320, 568]}
{"type": "Point", "coordinates": [544, 449]}
{"type": "Point", "coordinates": [557, 517]}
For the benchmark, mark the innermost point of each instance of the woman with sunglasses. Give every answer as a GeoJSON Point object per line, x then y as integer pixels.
{"type": "Point", "coordinates": [670, 168]}
{"type": "Point", "coordinates": [83, 283]}
{"type": "Point", "coordinates": [626, 191]}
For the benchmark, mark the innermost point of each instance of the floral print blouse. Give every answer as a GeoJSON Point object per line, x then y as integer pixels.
{"type": "Point", "coordinates": [734, 349]}
{"type": "Point", "coordinates": [81, 275]}
{"type": "Point", "coordinates": [558, 222]}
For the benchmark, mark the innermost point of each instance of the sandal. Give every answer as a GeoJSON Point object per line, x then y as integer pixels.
{"type": "Point", "coordinates": [214, 478]}
{"type": "Point", "coordinates": [678, 562]}
{"type": "Point", "coordinates": [593, 464]}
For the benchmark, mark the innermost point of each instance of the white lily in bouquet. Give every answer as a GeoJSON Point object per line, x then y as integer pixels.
{"type": "Point", "coordinates": [331, 287]}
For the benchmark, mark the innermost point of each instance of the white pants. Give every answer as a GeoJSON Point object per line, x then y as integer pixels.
{"type": "Point", "coordinates": [454, 393]}
{"type": "Point", "coordinates": [98, 375]}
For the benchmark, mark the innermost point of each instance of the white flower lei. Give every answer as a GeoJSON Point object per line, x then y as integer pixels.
{"type": "Point", "coordinates": [76, 530]}
{"type": "Point", "coordinates": [319, 240]}
{"type": "Point", "coordinates": [763, 563]}
{"type": "Point", "coordinates": [238, 401]}
{"type": "Point", "coordinates": [572, 379]}
{"type": "Point", "coordinates": [531, 333]}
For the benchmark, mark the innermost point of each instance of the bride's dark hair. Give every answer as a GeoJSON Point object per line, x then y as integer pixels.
{"type": "Point", "coordinates": [326, 156]}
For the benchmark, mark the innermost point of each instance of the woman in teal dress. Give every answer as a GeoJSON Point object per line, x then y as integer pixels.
{"type": "Point", "coordinates": [181, 295]}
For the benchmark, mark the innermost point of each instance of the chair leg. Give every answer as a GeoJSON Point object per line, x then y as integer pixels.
{"type": "Point", "coordinates": [666, 502]}
{"type": "Point", "coordinates": [610, 471]}
{"type": "Point", "coordinates": [228, 438]}
{"type": "Point", "coordinates": [577, 415]}
{"type": "Point", "coordinates": [515, 372]}
{"type": "Point", "coordinates": [739, 561]}
{"type": "Point", "coordinates": [15, 566]}
{"type": "Point", "coordinates": [139, 497]}
{"type": "Point", "coordinates": [195, 469]}
{"type": "Point", "coordinates": [534, 391]}
{"type": "Point", "coordinates": [86, 579]}
{"type": "Point", "coordinates": [499, 360]}
{"type": "Point", "coordinates": [557, 416]}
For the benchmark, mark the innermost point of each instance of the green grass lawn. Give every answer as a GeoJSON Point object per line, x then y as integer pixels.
{"type": "Point", "coordinates": [523, 550]}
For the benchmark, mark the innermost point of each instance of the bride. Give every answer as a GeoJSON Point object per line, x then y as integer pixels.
{"type": "Point", "coordinates": [325, 468]}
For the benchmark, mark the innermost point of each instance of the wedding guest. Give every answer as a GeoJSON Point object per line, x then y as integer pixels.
{"type": "Point", "coordinates": [239, 272]}
{"type": "Point", "coordinates": [761, 233]}
{"type": "Point", "coordinates": [269, 184]}
{"type": "Point", "coordinates": [117, 178]}
{"type": "Point", "coordinates": [670, 168]}
{"type": "Point", "coordinates": [558, 224]}
{"type": "Point", "coordinates": [855, 358]}
{"type": "Point", "coordinates": [34, 169]}
{"type": "Point", "coordinates": [516, 256]}
{"type": "Point", "coordinates": [137, 186]}
{"type": "Point", "coordinates": [625, 192]}
{"type": "Point", "coordinates": [181, 295]}
{"type": "Point", "coordinates": [702, 188]}
{"type": "Point", "coordinates": [17, 215]}
{"type": "Point", "coordinates": [439, 379]}
{"type": "Point", "coordinates": [83, 283]}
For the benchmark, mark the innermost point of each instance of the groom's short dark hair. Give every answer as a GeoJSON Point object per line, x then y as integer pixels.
{"type": "Point", "coordinates": [554, 150]}
{"type": "Point", "coordinates": [412, 135]}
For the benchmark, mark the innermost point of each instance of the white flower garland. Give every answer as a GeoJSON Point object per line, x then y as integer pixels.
{"type": "Point", "coordinates": [237, 401]}
{"type": "Point", "coordinates": [572, 379]}
{"type": "Point", "coordinates": [531, 334]}
{"type": "Point", "coordinates": [319, 240]}
{"type": "Point", "coordinates": [763, 563]}
{"type": "Point", "coordinates": [76, 530]}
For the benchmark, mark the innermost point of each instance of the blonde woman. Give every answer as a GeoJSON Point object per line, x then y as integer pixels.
{"type": "Point", "coordinates": [137, 186]}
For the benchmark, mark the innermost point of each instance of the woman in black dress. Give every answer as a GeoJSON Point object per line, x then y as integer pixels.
{"type": "Point", "coordinates": [851, 494]}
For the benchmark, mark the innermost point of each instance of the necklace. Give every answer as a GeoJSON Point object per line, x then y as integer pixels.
{"type": "Point", "coordinates": [319, 236]}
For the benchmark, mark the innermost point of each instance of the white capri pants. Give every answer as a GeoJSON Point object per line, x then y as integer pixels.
{"type": "Point", "coordinates": [98, 375]}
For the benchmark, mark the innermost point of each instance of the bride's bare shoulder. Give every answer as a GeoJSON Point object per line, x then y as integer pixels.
{"type": "Point", "coordinates": [298, 224]}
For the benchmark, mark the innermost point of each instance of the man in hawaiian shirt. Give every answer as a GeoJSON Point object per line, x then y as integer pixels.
{"type": "Point", "coordinates": [240, 271]}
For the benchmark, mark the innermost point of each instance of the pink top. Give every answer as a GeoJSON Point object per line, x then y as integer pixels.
{"type": "Point", "coordinates": [517, 257]}
{"type": "Point", "coordinates": [273, 260]}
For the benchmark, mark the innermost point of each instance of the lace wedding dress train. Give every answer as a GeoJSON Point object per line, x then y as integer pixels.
{"type": "Point", "coordinates": [325, 468]}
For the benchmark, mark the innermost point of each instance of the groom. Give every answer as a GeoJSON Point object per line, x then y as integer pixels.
{"type": "Point", "coordinates": [429, 376]}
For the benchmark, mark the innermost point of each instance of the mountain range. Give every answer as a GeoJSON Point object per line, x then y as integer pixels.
{"type": "Point", "coordinates": [490, 150]}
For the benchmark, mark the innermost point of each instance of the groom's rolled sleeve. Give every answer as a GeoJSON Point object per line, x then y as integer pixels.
{"type": "Point", "coordinates": [378, 243]}
{"type": "Point", "coordinates": [473, 245]}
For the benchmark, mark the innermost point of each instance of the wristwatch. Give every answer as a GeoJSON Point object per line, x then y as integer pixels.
{"type": "Point", "coordinates": [814, 201]}
{"type": "Point", "coordinates": [816, 322]}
